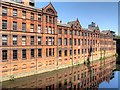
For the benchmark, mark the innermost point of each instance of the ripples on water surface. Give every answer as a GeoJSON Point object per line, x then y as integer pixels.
{"type": "Point", "coordinates": [97, 74]}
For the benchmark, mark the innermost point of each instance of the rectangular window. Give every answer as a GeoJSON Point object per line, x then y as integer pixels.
{"type": "Point", "coordinates": [4, 40]}
{"type": "Point", "coordinates": [46, 29]}
{"type": "Point", "coordinates": [32, 53]}
{"type": "Point", "coordinates": [78, 51]}
{"type": "Point", "coordinates": [24, 54]}
{"type": "Point", "coordinates": [24, 14]}
{"type": "Point", "coordinates": [39, 52]}
{"type": "Point", "coordinates": [65, 41]}
{"type": "Point", "coordinates": [53, 20]}
{"type": "Point", "coordinates": [75, 32]}
{"type": "Point", "coordinates": [60, 31]}
{"type": "Point", "coordinates": [75, 42]}
{"type": "Point", "coordinates": [50, 19]}
{"type": "Point", "coordinates": [32, 40]}
{"type": "Point", "coordinates": [23, 40]}
{"type": "Point", "coordinates": [49, 40]}
{"type": "Point", "coordinates": [53, 51]}
{"type": "Point", "coordinates": [65, 31]}
{"type": "Point", "coordinates": [78, 76]}
{"type": "Point", "coordinates": [53, 30]}
{"type": "Point", "coordinates": [70, 52]}
{"type": "Point", "coordinates": [14, 25]}
{"type": "Point", "coordinates": [15, 12]}
{"type": "Point", "coordinates": [39, 29]}
{"type": "Point", "coordinates": [78, 33]}
{"type": "Point", "coordinates": [88, 35]}
{"type": "Point", "coordinates": [65, 52]}
{"type": "Point", "coordinates": [82, 42]}
{"type": "Point", "coordinates": [75, 52]}
{"type": "Point", "coordinates": [85, 42]}
{"type": "Point", "coordinates": [88, 42]}
{"type": "Point", "coordinates": [4, 24]}
{"type": "Point", "coordinates": [46, 18]}
{"type": "Point", "coordinates": [53, 41]}
{"type": "Point", "coordinates": [70, 32]}
{"type": "Point", "coordinates": [60, 53]}
{"type": "Point", "coordinates": [78, 41]}
{"type": "Point", "coordinates": [14, 39]}
{"type": "Point", "coordinates": [4, 11]}
{"type": "Point", "coordinates": [85, 33]}
{"type": "Point", "coordinates": [23, 27]}
{"type": "Point", "coordinates": [47, 53]}
{"type": "Point", "coordinates": [39, 17]}
{"type": "Point", "coordinates": [85, 51]}
{"type": "Point", "coordinates": [49, 30]}
{"type": "Point", "coordinates": [32, 16]}
{"type": "Point", "coordinates": [50, 52]}
{"type": "Point", "coordinates": [60, 41]}
{"type": "Point", "coordinates": [32, 27]}
{"type": "Point", "coordinates": [15, 54]}
{"type": "Point", "coordinates": [39, 40]}
{"type": "Point", "coordinates": [70, 41]}
{"type": "Point", "coordinates": [82, 33]}
{"type": "Point", "coordinates": [4, 55]}
{"type": "Point", "coordinates": [82, 51]}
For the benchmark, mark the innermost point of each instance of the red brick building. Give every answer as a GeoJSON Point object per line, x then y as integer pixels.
{"type": "Point", "coordinates": [32, 41]}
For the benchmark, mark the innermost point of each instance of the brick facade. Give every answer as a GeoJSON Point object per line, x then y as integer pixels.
{"type": "Point", "coordinates": [45, 54]}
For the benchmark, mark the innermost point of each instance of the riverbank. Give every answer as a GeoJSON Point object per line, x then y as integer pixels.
{"type": "Point", "coordinates": [96, 71]}
{"type": "Point", "coordinates": [44, 70]}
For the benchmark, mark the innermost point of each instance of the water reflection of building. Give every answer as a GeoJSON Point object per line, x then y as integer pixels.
{"type": "Point", "coordinates": [34, 42]}
{"type": "Point", "coordinates": [81, 76]}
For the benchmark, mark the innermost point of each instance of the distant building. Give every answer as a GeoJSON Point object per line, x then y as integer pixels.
{"type": "Point", "coordinates": [33, 41]}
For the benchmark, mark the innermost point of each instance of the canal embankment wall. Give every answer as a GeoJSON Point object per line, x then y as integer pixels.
{"type": "Point", "coordinates": [57, 67]}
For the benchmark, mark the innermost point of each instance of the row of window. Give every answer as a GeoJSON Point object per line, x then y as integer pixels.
{"type": "Point", "coordinates": [49, 19]}
{"type": "Point", "coordinates": [49, 41]}
{"type": "Point", "coordinates": [15, 40]}
{"type": "Point", "coordinates": [105, 37]}
{"type": "Point", "coordinates": [107, 48]}
{"type": "Point", "coordinates": [49, 30]}
{"type": "Point", "coordinates": [15, 13]}
{"type": "Point", "coordinates": [75, 32]}
{"type": "Point", "coordinates": [49, 52]}
{"type": "Point", "coordinates": [24, 54]}
{"type": "Point", "coordinates": [83, 51]}
{"type": "Point", "coordinates": [83, 42]}
{"type": "Point", "coordinates": [106, 42]}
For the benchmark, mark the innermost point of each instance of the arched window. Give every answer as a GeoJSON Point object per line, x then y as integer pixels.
{"type": "Point", "coordinates": [49, 10]}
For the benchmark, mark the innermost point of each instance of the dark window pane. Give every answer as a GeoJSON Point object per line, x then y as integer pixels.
{"type": "Point", "coordinates": [4, 55]}
{"type": "Point", "coordinates": [14, 54]}
{"type": "Point", "coordinates": [24, 53]}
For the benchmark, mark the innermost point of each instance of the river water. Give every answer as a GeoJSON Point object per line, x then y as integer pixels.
{"type": "Point", "coordinates": [98, 74]}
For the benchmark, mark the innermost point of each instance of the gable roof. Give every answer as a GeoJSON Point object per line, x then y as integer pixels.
{"type": "Point", "coordinates": [74, 23]}
{"type": "Point", "coordinates": [71, 23]}
{"type": "Point", "coordinates": [50, 6]}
